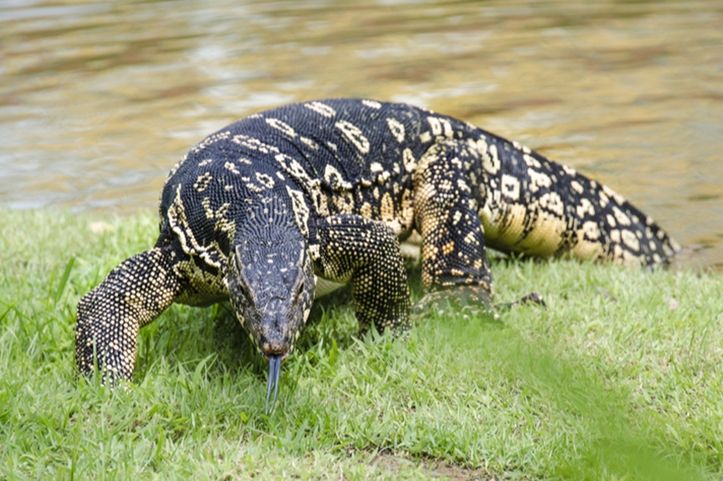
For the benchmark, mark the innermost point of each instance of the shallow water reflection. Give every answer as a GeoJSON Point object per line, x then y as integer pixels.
{"type": "Point", "coordinates": [98, 100]}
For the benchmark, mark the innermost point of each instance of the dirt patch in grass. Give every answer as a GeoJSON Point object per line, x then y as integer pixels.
{"type": "Point", "coordinates": [431, 467]}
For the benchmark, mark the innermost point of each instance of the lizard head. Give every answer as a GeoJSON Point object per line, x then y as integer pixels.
{"type": "Point", "coordinates": [271, 287]}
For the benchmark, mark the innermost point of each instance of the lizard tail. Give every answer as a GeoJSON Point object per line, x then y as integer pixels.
{"type": "Point", "coordinates": [534, 206]}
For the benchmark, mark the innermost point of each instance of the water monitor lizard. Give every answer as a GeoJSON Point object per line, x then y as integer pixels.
{"type": "Point", "coordinates": [257, 210]}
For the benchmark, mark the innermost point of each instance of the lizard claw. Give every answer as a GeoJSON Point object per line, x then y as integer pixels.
{"type": "Point", "coordinates": [468, 297]}
{"type": "Point", "coordinates": [273, 384]}
{"type": "Point", "coordinates": [531, 298]}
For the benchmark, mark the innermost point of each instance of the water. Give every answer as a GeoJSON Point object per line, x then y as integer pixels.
{"type": "Point", "coordinates": [99, 100]}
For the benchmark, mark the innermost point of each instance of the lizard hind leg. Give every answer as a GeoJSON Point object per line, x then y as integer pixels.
{"type": "Point", "coordinates": [109, 316]}
{"type": "Point", "coordinates": [453, 244]}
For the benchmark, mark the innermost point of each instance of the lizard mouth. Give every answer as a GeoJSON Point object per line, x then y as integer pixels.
{"type": "Point", "coordinates": [273, 382]}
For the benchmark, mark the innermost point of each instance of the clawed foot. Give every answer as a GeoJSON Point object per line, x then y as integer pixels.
{"type": "Point", "coordinates": [531, 298]}
{"type": "Point", "coordinates": [469, 299]}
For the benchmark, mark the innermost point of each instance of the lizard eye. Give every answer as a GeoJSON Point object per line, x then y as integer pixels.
{"type": "Point", "coordinates": [243, 289]}
{"type": "Point", "coordinates": [237, 262]}
{"type": "Point", "coordinates": [298, 286]}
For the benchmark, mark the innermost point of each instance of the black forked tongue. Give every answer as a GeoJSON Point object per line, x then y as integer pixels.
{"type": "Point", "coordinates": [274, 371]}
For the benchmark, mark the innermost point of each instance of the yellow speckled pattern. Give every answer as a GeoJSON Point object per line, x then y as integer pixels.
{"type": "Point", "coordinates": [329, 188]}
{"type": "Point", "coordinates": [109, 317]}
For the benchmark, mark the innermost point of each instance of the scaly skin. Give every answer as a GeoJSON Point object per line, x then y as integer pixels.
{"type": "Point", "coordinates": [330, 188]}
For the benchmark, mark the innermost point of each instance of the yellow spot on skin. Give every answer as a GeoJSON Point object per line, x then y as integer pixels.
{"type": "Point", "coordinates": [552, 202]}
{"type": "Point", "coordinates": [525, 149]}
{"type": "Point", "coordinates": [397, 129]}
{"type": "Point", "coordinates": [538, 180]}
{"type": "Point", "coordinates": [335, 179]}
{"type": "Point", "coordinates": [387, 207]}
{"type": "Point", "coordinates": [231, 167]}
{"type": "Point", "coordinates": [531, 161]}
{"type": "Point", "coordinates": [372, 104]}
{"type": "Point", "coordinates": [409, 161]}
{"type": "Point", "coordinates": [491, 161]}
{"type": "Point", "coordinates": [320, 200]}
{"type": "Point", "coordinates": [309, 143]}
{"type": "Point", "coordinates": [471, 239]}
{"type": "Point", "coordinates": [604, 199]}
{"type": "Point", "coordinates": [576, 186]}
{"type": "Point", "coordinates": [569, 170]}
{"type": "Point", "coordinates": [376, 167]}
{"type": "Point", "coordinates": [588, 245]}
{"type": "Point", "coordinates": [211, 139]}
{"type": "Point", "coordinates": [585, 208]}
{"type": "Point", "coordinates": [440, 127]}
{"type": "Point", "coordinates": [252, 143]}
{"type": "Point", "coordinates": [281, 126]}
{"type": "Point", "coordinates": [406, 214]}
{"type": "Point", "coordinates": [344, 202]}
{"type": "Point", "coordinates": [300, 209]}
{"type": "Point", "coordinates": [478, 145]}
{"type": "Point", "coordinates": [621, 217]}
{"type": "Point", "coordinates": [265, 180]}
{"type": "Point", "coordinates": [354, 135]}
{"type": "Point", "coordinates": [202, 182]}
{"type": "Point", "coordinates": [366, 210]}
{"type": "Point", "coordinates": [591, 230]}
{"type": "Point", "coordinates": [294, 169]}
{"type": "Point", "coordinates": [630, 240]}
{"type": "Point", "coordinates": [448, 248]}
{"type": "Point", "coordinates": [611, 193]}
{"type": "Point", "coordinates": [510, 187]}
{"type": "Point", "coordinates": [463, 187]}
{"type": "Point", "coordinates": [321, 109]}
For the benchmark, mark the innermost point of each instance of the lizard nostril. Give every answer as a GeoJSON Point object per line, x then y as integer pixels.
{"type": "Point", "coordinates": [274, 348]}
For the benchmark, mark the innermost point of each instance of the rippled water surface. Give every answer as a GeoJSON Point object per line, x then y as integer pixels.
{"type": "Point", "coordinates": [98, 100]}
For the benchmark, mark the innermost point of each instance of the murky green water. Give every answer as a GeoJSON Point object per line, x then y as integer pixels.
{"type": "Point", "coordinates": [98, 100]}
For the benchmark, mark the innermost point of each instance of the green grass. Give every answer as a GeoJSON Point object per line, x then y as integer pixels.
{"type": "Point", "coordinates": [619, 378]}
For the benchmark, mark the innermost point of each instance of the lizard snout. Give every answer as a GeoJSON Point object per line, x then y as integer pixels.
{"type": "Point", "coordinates": [274, 348]}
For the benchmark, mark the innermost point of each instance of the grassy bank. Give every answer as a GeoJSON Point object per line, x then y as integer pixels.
{"type": "Point", "coordinates": [619, 378]}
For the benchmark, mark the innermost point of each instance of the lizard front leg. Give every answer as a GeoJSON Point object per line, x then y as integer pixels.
{"type": "Point", "coordinates": [453, 244]}
{"type": "Point", "coordinates": [109, 316]}
{"type": "Point", "coordinates": [366, 253]}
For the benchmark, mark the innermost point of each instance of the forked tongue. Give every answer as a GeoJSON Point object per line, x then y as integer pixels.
{"type": "Point", "coordinates": [274, 371]}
